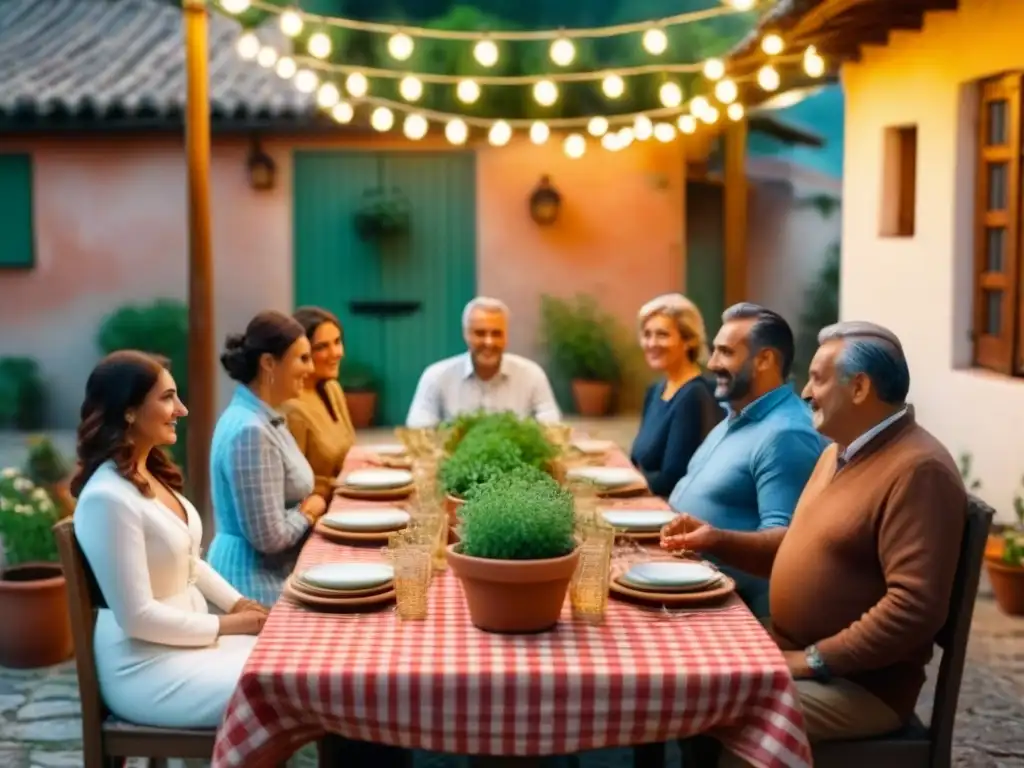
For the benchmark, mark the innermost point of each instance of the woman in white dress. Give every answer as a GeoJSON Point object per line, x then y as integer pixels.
{"type": "Point", "coordinates": [162, 658]}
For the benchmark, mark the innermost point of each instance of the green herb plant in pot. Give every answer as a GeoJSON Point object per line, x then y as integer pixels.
{"type": "Point", "coordinates": [481, 457]}
{"type": "Point", "coordinates": [517, 552]}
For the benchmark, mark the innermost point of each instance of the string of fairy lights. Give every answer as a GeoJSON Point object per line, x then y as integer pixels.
{"type": "Point", "coordinates": [340, 88]}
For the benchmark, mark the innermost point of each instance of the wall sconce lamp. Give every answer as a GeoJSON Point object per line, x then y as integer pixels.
{"type": "Point", "coordinates": [261, 167]}
{"type": "Point", "coordinates": [545, 202]}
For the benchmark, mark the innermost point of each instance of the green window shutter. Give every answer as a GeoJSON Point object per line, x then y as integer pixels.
{"type": "Point", "coordinates": [17, 245]}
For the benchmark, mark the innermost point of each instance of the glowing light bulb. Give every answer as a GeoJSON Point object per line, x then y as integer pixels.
{"type": "Point", "coordinates": [714, 69]}
{"type": "Point", "coordinates": [500, 134]}
{"type": "Point", "coordinates": [306, 81]}
{"type": "Point", "coordinates": [664, 132]}
{"type": "Point", "coordinates": [235, 6]}
{"type": "Point", "coordinates": [735, 111]}
{"type": "Point", "coordinates": [248, 46]}
{"type": "Point", "coordinates": [486, 53]}
{"type": "Point", "coordinates": [613, 86]}
{"type": "Point", "coordinates": [772, 44]}
{"type": "Point", "coordinates": [267, 57]}
{"type": "Point", "coordinates": [655, 41]}
{"type": "Point", "coordinates": [768, 78]}
{"type": "Point", "coordinates": [357, 85]}
{"type": "Point", "coordinates": [286, 67]}
{"type": "Point", "coordinates": [415, 127]}
{"type": "Point", "coordinates": [467, 91]}
{"type": "Point", "coordinates": [328, 95]}
{"type": "Point", "coordinates": [814, 64]}
{"type": "Point", "coordinates": [291, 23]}
{"type": "Point", "coordinates": [726, 91]}
{"type": "Point", "coordinates": [742, 5]}
{"type": "Point", "coordinates": [643, 127]}
{"type": "Point", "coordinates": [411, 88]}
{"type": "Point", "coordinates": [698, 105]}
{"type": "Point", "coordinates": [610, 141]}
{"type": "Point", "coordinates": [709, 115]}
{"type": "Point", "coordinates": [539, 132]}
{"type": "Point", "coordinates": [575, 145]}
{"type": "Point", "coordinates": [382, 119]}
{"type": "Point", "coordinates": [319, 45]}
{"type": "Point", "coordinates": [625, 136]}
{"type": "Point", "coordinates": [597, 126]}
{"type": "Point", "coordinates": [545, 93]}
{"type": "Point", "coordinates": [562, 52]}
{"type": "Point", "coordinates": [400, 46]}
{"type": "Point", "coordinates": [456, 131]}
{"type": "Point", "coordinates": [670, 94]}
{"type": "Point", "coordinates": [687, 123]}
{"type": "Point", "coordinates": [343, 112]}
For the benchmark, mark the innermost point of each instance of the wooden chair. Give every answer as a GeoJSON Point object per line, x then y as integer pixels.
{"type": "Point", "coordinates": [106, 741]}
{"type": "Point", "coordinates": [916, 745]}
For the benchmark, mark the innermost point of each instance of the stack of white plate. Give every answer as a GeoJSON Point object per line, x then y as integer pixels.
{"type": "Point", "coordinates": [593, 447]}
{"type": "Point", "coordinates": [677, 577]}
{"type": "Point", "coordinates": [638, 520]}
{"type": "Point", "coordinates": [388, 449]}
{"type": "Point", "coordinates": [606, 477]}
{"type": "Point", "coordinates": [378, 479]}
{"type": "Point", "coordinates": [345, 579]}
{"type": "Point", "coordinates": [368, 520]}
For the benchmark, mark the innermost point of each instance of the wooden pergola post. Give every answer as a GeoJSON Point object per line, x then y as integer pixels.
{"type": "Point", "coordinates": [200, 258]}
{"type": "Point", "coordinates": [735, 215]}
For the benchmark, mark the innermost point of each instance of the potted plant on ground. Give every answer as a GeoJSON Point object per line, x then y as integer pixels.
{"type": "Point", "coordinates": [46, 467]}
{"type": "Point", "coordinates": [1005, 564]}
{"type": "Point", "coordinates": [516, 554]}
{"type": "Point", "coordinates": [579, 339]}
{"type": "Point", "coordinates": [360, 387]}
{"type": "Point", "coordinates": [33, 593]}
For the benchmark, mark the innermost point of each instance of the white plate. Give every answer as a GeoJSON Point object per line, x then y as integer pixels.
{"type": "Point", "coordinates": [348, 576]}
{"type": "Point", "coordinates": [388, 449]}
{"type": "Point", "coordinates": [666, 575]}
{"type": "Point", "coordinates": [638, 519]}
{"type": "Point", "coordinates": [593, 447]}
{"type": "Point", "coordinates": [378, 478]}
{"type": "Point", "coordinates": [608, 477]}
{"type": "Point", "coordinates": [378, 519]}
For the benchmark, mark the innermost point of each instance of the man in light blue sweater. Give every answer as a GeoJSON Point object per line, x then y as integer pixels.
{"type": "Point", "coordinates": [752, 467]}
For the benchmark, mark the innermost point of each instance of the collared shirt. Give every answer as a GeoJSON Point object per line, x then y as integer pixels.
{"type": "Point", "coordinates": [451, 387]}
{"type": "Point", "coordinates": [867, 437]}
{"type": "Point", "coordinates": [259, 477]}
{"type": "Point", "coordinates": [749, 473]}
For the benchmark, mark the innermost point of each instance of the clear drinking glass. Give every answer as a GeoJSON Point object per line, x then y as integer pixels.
{"type": "Point", "coordinates": [430, 525]}
{"type": "Point", "coordinates": [588, 590]}
{"type": "Point", "coordinates": [412, 563]}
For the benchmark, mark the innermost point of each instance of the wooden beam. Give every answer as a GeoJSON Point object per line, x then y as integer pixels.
{"type": "Point", "coordinates": [734, 142]}
{"type": "Point", "coordinates": [201, 391]}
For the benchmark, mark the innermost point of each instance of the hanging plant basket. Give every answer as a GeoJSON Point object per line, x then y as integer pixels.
{"type": "Point", "coordinates": [382, 214]}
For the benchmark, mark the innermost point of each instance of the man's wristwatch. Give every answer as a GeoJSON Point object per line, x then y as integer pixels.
{"type": "Point", "coordinates": [819, 671]}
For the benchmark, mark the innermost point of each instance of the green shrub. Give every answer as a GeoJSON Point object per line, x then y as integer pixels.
{"type": "Point", "coordinates": [579, 338]}
{"type": "Point", "coordinates": [520, 515]}
{"type": "Point", "coordinates": [484, 458]}
{"type": "Point", "coordinates": [525, 434]}
{"type": "Point", "coordinates": [27, 517]}
{"type": "Point", "coordinates": [22, 394]}
{"type": "Point", "coordinates": [45, 464]}
{"type": "Point", "coordinates": [159, 328]}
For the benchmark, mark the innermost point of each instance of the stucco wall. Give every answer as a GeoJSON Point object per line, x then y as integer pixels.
{"type": "Point", "coordinates": [921, 286]}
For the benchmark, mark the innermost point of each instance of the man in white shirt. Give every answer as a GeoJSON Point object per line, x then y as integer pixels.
{"type": "Point", "coordinates": [484, 378]}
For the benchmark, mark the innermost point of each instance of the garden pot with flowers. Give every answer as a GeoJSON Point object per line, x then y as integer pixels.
{"type": "Point", "coordinates": [1005, 564]}
{"type": "Point", "coordinates": [36, 631]}
{"type": "Point", "coordinates": [517, 553]}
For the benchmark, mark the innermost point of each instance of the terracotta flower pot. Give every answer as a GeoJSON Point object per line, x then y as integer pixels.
{"type": "Point", "coordinates": [37, 595]}
{"type": "Point", "coordinates": [1007, 585]}
{"type": "Point", "coordinates": [513, 596]}
{"type": "Point", "coordinates": [362, 406]}
{"type": "Point", "coordinates": [452, 505]}
{"type": "Point", "coordinates": [592, 397]}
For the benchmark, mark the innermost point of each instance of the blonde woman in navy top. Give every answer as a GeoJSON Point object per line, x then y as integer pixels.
{"type": "Point", "coordinates": [680, 409]}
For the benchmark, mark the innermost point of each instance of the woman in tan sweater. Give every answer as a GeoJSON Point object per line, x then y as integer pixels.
{"type": "Point", "coordinates": [318, 418]}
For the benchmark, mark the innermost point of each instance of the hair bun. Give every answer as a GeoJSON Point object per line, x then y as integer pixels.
{"type": "Point", "coordinates": [234, 341]}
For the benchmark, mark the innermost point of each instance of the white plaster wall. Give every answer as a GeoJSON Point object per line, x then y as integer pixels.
{"type": "Point", "coordinates": [920, 287]}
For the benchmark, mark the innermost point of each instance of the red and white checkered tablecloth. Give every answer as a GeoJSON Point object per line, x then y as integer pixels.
{"type": "Point", "coordinates": [442, 685]}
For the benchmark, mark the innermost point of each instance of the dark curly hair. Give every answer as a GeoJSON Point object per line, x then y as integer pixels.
{"type": "Point", "coordinates": [118, 383]}
{"type": "Point", "coordinates": [270, 332]}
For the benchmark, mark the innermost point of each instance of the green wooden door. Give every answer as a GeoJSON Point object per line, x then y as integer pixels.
{"type": "Point", "coordinates": [705, 252]}
{"type": "Point", "coordinates": [432, 269]}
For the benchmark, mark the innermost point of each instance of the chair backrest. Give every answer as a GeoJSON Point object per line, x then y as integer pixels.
{"type": "Point", "coordinates": [84, 599]}
{"type": "Point", "coordinates": [952, 638]}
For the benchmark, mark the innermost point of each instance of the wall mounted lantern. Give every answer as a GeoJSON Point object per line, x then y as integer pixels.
{"type": "Point", "coordinates": [261, 167]}
{"type": "Point", "coordinates": [545, 202]}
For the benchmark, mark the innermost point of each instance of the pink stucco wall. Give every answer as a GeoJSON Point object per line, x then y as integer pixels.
{"type": "Point", "coordinates": [111, 228]}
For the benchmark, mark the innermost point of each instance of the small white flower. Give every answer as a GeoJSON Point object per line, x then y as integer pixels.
{"type": "Point", "coordinates": [23, 484]}
{"type": "Point", "coordinates": [8, 472]}
{"type": "Point", "coordinates": [23, 509]}
{"type": "Point", "coordinates": [40, 495]}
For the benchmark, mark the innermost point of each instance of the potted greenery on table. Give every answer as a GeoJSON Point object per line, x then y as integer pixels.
{"type": "Point", "coordinates": [33, 592]}
{"type": "Point", "coordinates": [517, 553]}
{"type": "Point", "coordinates": [1005, 564]}
{"type": "Point", "coordinates": [580, 342]}
{"type": "Point", "coordinates": [360, 386]}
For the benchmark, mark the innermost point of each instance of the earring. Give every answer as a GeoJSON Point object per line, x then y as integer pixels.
{"type": "Point", "coordinates": [130, 418]}
{"type": "Point", "coordinates": [270, 382]}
